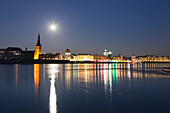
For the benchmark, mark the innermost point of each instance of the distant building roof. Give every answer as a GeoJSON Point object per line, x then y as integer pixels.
{"type": "Point", "coordinates": [57, 53]}
{"type": "Point", "coordinates": [74, 55]}
{"type": "Point", "coordinates": [67, 51]}
{"type": "Point", "coordinates": [28, 51]}
{"type": "Point", "coordinates": [2, 49]}
{"type": "Point", "coordinates": [14, 49]}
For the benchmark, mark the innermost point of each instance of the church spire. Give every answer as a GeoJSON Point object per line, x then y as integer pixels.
{"type": "Point", "coordinates": [38, 41]}
{"type": "Point", "coordinates": [38, 48]}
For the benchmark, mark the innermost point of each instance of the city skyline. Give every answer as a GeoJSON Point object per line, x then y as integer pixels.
{"type": "Point", "coordinates": [123, 27]}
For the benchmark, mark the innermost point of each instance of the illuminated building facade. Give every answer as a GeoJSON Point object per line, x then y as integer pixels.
{"type": "Point", "coordinates": [100, 57]}
{"type": "Point", "coordinates": [58, 56]}
{"type": "Point", "coordinates": [38, 48]}
{"type": "Point", "coordinates": [83, 57]}
{"type": "Point", "coordinates": [133, 58]}
{"type": "Point", "coordinates": [15, 54]}
{"type": "Point", "coordinates": [121, 57]}
{"type": "Point", "coordinates": [152, 58]}
{"type": "Point", "coordinates": [67, 54]}
{"type": "Point", "coordinates": [50, 56]}
{"type": "Point", "coordinates": [11, 54]}
{"type": "Point", "coordinates": [47, 56]}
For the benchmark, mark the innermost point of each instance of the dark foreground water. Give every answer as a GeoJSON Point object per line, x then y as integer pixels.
{"type": "Point", "coordinates": [85, 88]}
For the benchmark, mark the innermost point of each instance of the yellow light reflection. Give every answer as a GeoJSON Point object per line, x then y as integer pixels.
{"type": "Point", "coordinates": [68, 75]}
{"type": "Point", "coordinates": [37, 78]}
{"type": "Point", "coordinates": [16, 74]}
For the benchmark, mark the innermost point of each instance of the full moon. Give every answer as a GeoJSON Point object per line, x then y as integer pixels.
{"type": "Point", "coordinates": [53, 27]}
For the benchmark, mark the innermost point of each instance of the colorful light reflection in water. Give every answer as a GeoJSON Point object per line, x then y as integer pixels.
{"type": "Point", "coordinates": [81, 77]}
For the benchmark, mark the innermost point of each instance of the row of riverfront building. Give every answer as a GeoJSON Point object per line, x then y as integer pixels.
{"type": "Point", "coordinates": [16, 54]}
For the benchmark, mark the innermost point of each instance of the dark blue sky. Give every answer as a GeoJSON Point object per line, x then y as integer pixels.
{"type": "Point", "coordinates": [88, 26]}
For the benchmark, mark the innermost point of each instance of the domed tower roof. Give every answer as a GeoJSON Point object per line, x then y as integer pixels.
{"type": "Point", "coordinates": [67, 51]}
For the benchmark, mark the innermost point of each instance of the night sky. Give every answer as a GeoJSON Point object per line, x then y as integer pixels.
{"type": "Point", "coordinates": [127, 27]}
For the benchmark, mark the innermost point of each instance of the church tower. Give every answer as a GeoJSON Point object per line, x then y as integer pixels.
{"type": "Point", "coordinates": [38, 48]}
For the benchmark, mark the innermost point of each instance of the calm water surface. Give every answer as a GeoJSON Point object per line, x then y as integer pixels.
{"type": "Point", "coordinates": [85, 88]}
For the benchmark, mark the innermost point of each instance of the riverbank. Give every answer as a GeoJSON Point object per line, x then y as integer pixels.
{"type": "Point", "coordinates": [63, 62]}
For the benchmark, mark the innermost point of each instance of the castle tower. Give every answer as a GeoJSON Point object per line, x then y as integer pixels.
{"type": "Point", "coordinates": [38, 48]}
